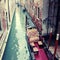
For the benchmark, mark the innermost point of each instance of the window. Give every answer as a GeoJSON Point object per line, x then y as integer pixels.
{"type": "Point", "coordinates": [38, 12]}
{"type": "Point", "coordinates": [0, 25]}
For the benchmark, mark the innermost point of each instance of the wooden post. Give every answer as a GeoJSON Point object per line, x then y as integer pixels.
{"type": "Point", "coordinates": [56, 44]}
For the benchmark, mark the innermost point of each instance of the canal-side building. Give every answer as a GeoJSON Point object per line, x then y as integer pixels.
{"type": "Point", "coordinates": [45, 10]}
{"type": "Point", "coordinates": [3, 26]}
{"type": "Point", "coordinates": [35, 11]}
{"type": "Point", "coordinates": [7, 9]}
{"type": "Point", "coordinates": [6, 13]}
{"type": "Point", "coordinates": [3, 15]}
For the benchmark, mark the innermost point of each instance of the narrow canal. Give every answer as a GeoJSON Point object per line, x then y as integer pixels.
{"type": "Point", "coordinates": [16, 48]}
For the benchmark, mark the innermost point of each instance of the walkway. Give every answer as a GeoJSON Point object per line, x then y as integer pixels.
{"type": "Point", "coordinates": [16, 48]}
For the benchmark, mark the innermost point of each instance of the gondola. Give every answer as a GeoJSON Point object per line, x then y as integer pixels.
{"type": "Point", "coordinates": [38, 46]}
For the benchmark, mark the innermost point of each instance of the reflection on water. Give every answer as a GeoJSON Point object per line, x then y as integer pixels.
{"type": "Point", "coordinates": [12, 44]}
{"type": "Point", "coordinates": [16, 48]}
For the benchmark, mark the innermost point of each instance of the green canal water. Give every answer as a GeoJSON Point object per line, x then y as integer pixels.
{"type": "Point", "coordinates": [17, 48]}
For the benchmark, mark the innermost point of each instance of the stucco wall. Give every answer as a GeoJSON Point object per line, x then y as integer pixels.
{"type": "Point", "coordinates": [45, 9]}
